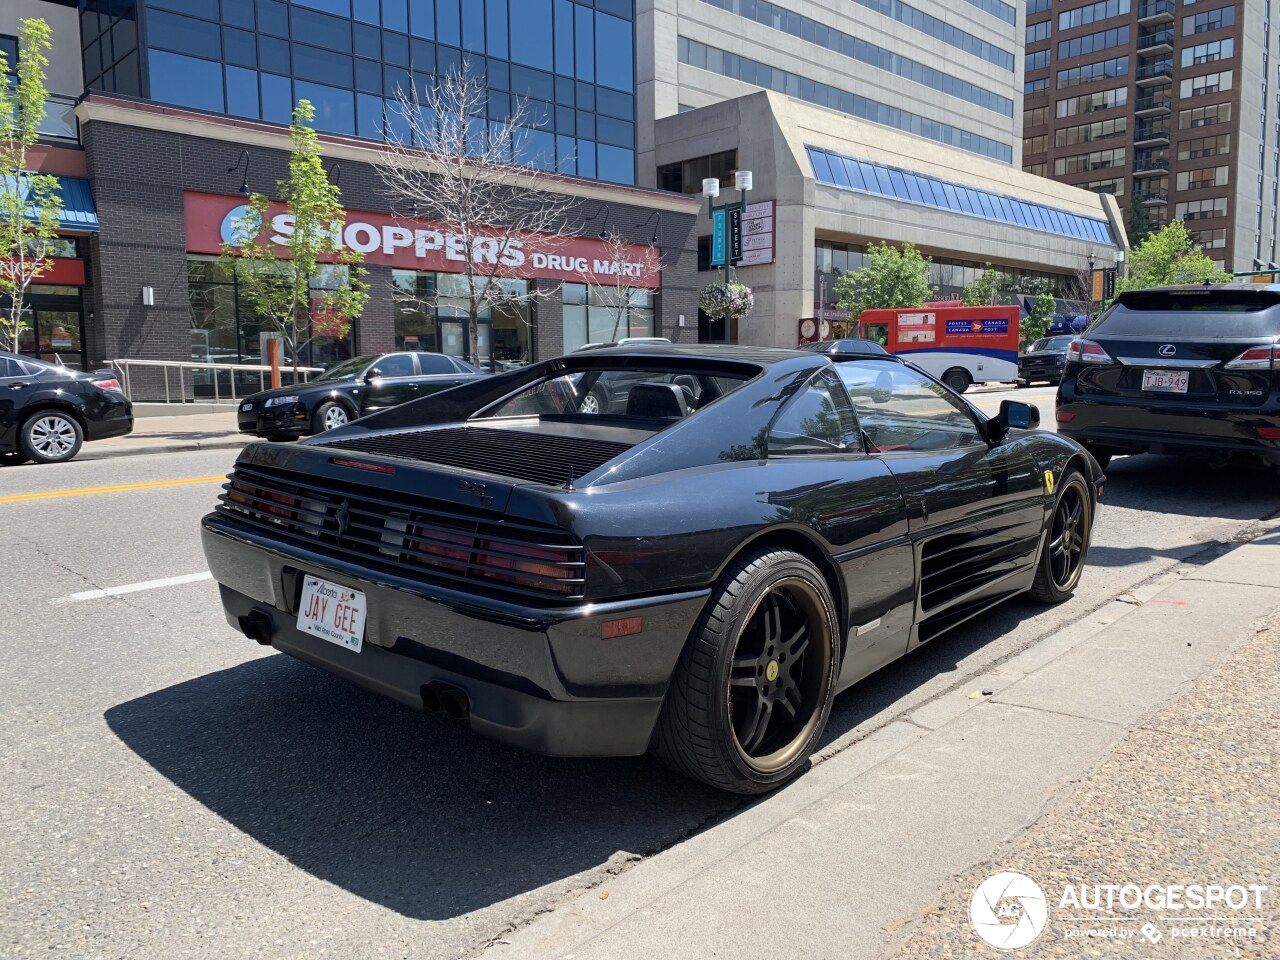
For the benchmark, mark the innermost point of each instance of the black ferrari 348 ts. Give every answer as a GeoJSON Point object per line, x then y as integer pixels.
{"type": "Point", "coordinates": [696, 572]}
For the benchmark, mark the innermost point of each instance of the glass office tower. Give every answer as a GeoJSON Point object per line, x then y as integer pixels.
{"type": "Point", "coordinates": [570, 61]}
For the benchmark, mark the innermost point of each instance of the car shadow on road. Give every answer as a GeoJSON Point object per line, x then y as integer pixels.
{"type": "Point", "coordinates": [1241, 489]}
{"type": "Point", "coordinates": [410, 811]}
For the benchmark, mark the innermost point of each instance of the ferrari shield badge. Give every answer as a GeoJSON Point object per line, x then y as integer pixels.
{"type": "Point", "coordinates": [1048, 481]}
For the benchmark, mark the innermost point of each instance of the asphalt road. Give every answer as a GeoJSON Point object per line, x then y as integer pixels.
{"type": "Point", "coordinates": [167, 789]}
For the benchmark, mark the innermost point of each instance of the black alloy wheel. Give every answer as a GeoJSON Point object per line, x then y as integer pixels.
{"type": "Point", "coordinates": [753, 689]}
{"type": "Point", "coordinates": [775, 688]}
{"type": "Point", "coordinates": [1067, 545]}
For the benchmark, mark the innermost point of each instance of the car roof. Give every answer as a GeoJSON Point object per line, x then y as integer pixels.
{"type": "Point", "coordinates": [1233, 286]}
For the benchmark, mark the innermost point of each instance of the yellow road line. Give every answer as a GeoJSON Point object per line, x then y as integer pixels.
{"type": "Point", "coordinates": [118, 488]}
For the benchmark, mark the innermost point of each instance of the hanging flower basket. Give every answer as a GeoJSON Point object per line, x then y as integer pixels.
{"type": "Point", "coordinates": [732, 299]}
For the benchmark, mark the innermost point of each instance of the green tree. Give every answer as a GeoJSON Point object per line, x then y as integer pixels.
{"type": "Point", "coordinates": [310, 285]}
{"type": "Point", "coordinates": [1036, 325]}
{"type": "Point", "coordinates": [1140, 224]}
{"type": "Point", "coordinates": [29, 202]}
{"type": "Point", "coordinates": [1169, 256]}
{"type": "Point", "coordinates": [891, 278]}
{"type": "Point", "coordinates": [985, 290]}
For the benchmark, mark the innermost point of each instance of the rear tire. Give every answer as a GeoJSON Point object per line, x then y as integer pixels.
{"type": "Point", "coordinates": [1021, 384]}
{"type": "Point", "coordinates": [751, 694]}
{"type": "Point", "coordinates": [958, 380]}
{"type": "Point", "coordinates": [50, 436]}
{"type": "Point", "coordinates": [1066, 548]}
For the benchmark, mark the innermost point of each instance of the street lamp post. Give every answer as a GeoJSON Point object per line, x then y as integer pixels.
{"type": "Point", "coordinates": [742, 182]}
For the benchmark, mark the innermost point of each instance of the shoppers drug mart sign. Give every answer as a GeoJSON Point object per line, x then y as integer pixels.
{"type": "Point", "coordinates": [414, 244]}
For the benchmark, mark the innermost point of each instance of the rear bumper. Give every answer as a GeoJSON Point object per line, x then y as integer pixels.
{"type": "Point", "coordinates": [1040, 371]}
{"type": "Point", "coordinates": [539, 679]}
{"type": "Point", "coordinates": [1193, 430]}
{"type": "Point", "coordinates": [116, 421]}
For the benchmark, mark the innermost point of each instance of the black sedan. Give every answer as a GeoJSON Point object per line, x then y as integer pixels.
{"type": "Point", "coordinates": [350, 390]}
{"type": "Point", "coordinates": [697, 579]}
{"type": "Point", "coordinates": [47, 411]}
{"type": "Point", "coordinates": [1180, 370]}
{"type": "Point", "coordinates": [847, 347]}
{"type": "Point", "coordinates": [1043, 360]}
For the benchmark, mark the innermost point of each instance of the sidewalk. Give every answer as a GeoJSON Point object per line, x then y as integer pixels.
{"type": "Point", "coordinates": [204, 431]}
{"type": "Point", "coordinates": [849, 861]}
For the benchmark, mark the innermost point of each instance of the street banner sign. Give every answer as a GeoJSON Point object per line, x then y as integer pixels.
{"type": "Point", "coordinates": [757, 234]}
{"type": "Point", "coordinates": [735, 234]}
{"type": "Point", "coordinates": [717, 237]}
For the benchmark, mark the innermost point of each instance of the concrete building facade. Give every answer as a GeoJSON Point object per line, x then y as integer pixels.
{"type": "Point", "coordinates": [946, 70]}
{"type": "Point", "coordinates": [1171, 107]}
{"type": "Point", "coordinates": [830, 185]}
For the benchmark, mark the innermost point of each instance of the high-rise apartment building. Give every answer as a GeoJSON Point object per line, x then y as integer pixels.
{"type": "Point", "coordinates": [1169, 105]}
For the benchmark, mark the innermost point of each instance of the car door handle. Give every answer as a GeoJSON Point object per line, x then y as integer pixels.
{"type": "Point", "coordinates": [18, 386]}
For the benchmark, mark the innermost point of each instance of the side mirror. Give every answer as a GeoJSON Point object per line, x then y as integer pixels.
{"type": "Point", "coordinates": [1015, 415]}
{"type": "Point", "coordinates": [372, 374]}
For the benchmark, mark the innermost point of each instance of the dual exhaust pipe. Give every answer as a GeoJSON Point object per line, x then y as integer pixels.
{"type": "Point", "coordinates": [439, 697]}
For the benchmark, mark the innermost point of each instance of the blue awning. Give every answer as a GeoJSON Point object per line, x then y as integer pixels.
{"type": "Point", "coordinates": [78, 212]}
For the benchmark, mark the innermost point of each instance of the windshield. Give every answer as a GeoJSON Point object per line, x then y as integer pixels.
{"type": "Point", "coordinates": [1211, 313]}
{"type": "Point", "coordinates": [656, 393]}
{"type": "Point", "coordinates": [1052, 343]}
{"type": "Point", "coordinates": [348, 368]}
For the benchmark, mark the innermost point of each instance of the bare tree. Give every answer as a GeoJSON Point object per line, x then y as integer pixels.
{"type": "Point", "coordinates": [446, 162]}
{"type": "Point", "coordinates": [628, 268]}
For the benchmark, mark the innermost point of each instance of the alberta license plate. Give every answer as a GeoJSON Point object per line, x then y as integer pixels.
{"type": "Point", "coordinates": [332, 612]}
{"type": "Point", "coordinates": [1165, 381]}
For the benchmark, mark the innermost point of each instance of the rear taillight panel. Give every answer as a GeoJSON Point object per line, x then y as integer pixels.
{"type": "Point", "coordinates": [1261, 357]}
{"type": "Point", "coordinates": [1086, 351]}
{"type": "Point", "coordinates": [109, 384]}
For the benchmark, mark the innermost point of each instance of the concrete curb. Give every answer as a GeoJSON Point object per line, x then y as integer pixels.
{"type": "Point", "coordinates": [96, 452]}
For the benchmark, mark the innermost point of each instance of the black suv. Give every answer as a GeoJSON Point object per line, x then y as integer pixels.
{"type": "Point", "coordinates": [1186, 370]}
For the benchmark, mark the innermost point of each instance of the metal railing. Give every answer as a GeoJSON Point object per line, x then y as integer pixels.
{"type": "Point", "coordinates": [124, 372]}
{"type": "Point", "coordinates": [1152, 71]}
{"type": "Point", "coordinates": [1161, 38]}
{"type": "Point", "coordinates": [1155, 102]}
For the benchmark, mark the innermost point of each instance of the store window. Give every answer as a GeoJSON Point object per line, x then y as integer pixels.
{"type": "Point", "coordinates": [602, 314]}
{"type": "Point", "coordinates": [225, 328]}
{"type": "Point", "coordinates": [432, 310]}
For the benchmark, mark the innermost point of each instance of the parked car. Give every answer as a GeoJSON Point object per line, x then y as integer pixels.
{"type": "Point", "coordinates": [1043, 360]}
{"type": "Point", "coordinates": [848, 346]}
{"type": "Point", "coordinates": [1185, 370]}
{"type": "Point", "coordinates": [350, 390]}
{"type": "Point", "coordinates": [695, 581]}
{"type": "Point", "coordinates": [47, 411]}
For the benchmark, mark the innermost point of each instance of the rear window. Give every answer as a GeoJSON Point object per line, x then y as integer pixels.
{"type": "Point", "coordinates": [631, 392]}
{"type": "Point", "coordinates": [1192, 314]}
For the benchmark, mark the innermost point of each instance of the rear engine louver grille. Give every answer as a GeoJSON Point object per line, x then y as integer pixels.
{"type": "Point", "coordinates": [521, 455]}
{"type": "Point", "coordinates": [415, 539]}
